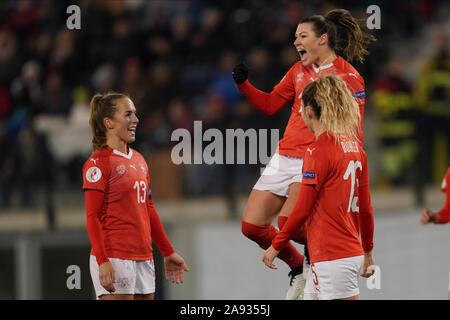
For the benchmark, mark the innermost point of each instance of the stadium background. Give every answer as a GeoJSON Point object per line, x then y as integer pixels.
{"type": "Point", "coordinates": [174, 59]}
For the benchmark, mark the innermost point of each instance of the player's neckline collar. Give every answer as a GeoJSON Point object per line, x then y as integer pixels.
{"type": "Point", "coordinates": [128, 156]}
{"type": "Point", "coordinates": [318, 69]}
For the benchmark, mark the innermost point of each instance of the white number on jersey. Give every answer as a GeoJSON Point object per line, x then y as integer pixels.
{"type": "Point", "coordinates": [141, 190]}
{"type": "Point", "coordinates": [351, 171]}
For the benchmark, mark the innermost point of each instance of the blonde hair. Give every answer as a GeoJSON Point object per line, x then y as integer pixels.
{"type": "Point", "coordinates": [334, 105]}
{"type": "Point", "coordinates": [102, 106]}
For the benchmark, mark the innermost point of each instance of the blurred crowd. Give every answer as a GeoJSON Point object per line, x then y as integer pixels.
{"type": "Point", "coordinates": [174, 59]}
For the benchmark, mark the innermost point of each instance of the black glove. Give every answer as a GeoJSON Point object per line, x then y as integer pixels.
{"type": "Point", "coordinates": [240, 73]}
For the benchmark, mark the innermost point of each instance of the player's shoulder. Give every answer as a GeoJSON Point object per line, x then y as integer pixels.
{"type": "Point", "coordinates": [348, 71]}
{"type": "Point", "coordinates": [297, 67]}
{"type": "Point", "coordinates": [139, 159]}
{"type": "Point", "coordinates": [330, 146]}
{"type": "Point", "coordinates": [136, 154]}
{"type": "Point", "coordinates": [98, 158]}
{"type": "Point", "coordinates": [320, 148]}
{"type": "Point", "coordinates": [363, 154]}
{"type": "Point", "coordinates": [346, 66]}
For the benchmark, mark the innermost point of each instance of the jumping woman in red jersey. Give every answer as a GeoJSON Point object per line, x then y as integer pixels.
{"type": "Point", "coordinates": [277, 189]}
{"type": "Point", "coordinates": [121, 219]}
{"type": "Point", "coordinates": [334, 201]}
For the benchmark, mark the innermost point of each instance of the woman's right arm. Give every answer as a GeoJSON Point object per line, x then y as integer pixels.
{"type": "Point", "coordinates": [267, 103]}
{"type": "Point", "coordinates": [94, 201]}
{"type": "Point", "coordinates": [366, 222]}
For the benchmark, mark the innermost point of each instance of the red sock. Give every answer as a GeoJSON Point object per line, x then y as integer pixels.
{"type": "Point", "coordinates": [263, 236]}
{"type": "Point", "coordinates": [299, 236]}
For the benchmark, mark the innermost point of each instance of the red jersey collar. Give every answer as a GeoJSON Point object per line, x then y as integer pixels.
{"type": "Point", "coordinates": [318, 69]}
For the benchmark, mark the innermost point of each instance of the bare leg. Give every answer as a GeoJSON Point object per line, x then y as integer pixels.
{"type": "Point", "coordinates": [262, 207]}
{"type": "Point", "coordinates": [290, 202]}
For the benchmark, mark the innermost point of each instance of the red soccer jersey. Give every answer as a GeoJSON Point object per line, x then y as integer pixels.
{"type": "Point", "coordinates": [124, 218]}
{"type": "Point", "coordinates": [337, 171]}
{"type": "Point", "coordinates": [445, 181]}
{"type": "Point", "coordinates": [444, 214]}
{"type": "Point", "coordinates": [297, 137]}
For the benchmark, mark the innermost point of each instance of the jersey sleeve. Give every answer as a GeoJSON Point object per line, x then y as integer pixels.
{"type": "Point", "coordinates": [158, 233]}
{"type": "Point", "coordinates": [364, 178]}
{"type": "Point", "coordinates": [444, 214]}
{"type": "Point", "coordinates": [267, 103]}
{"type": "Point", "coordinates": [355, 84]}
{"type": "Point", "coordinates": [314, 168]}
{"type": "Point", "coordinates": [157, 230]}
{"type": "Point", "coordinates": [366, 220]}
{"type": "Point", "coordinates": [94, 202]}
{"type": "Point", "coordinates": [95, 174]}
{"type": "Point", "coordinates": [286, 86]}
{"type": "Point", "coordinates": [298, 217]}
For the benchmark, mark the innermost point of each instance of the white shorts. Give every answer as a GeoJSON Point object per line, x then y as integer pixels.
{"type": "Point", "coordinates": [334, 279]}
{"type": "Point", "coordinates": [279, 174]}
{"type": "Point", "coordinates": [131, 277]}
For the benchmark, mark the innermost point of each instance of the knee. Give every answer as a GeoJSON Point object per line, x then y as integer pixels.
{"type": "Point", "coordinates": [262, 235]}
{"type": "Point", "coordinates": [247, 229]}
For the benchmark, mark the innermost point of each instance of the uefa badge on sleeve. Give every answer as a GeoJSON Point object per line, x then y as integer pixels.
{"type": "Point", "coordinates": [93, 174]}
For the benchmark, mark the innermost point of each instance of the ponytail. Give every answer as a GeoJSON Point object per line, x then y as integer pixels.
{"type": "Point", "coordinates": [341, 19]}
{"type": "Point", "coordinates": [358, 40]}
{"type": "Point", "coordinates": [102, 106]}
{"type": "Point", "coordinates": [334, 105]}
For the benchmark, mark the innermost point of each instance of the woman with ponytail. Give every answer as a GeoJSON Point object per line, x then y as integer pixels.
{"type": "Point", "coordinates": [276, 192]}
{"type": "Point", "coordinates": [121, 219]}
{"type": "Point", "coordinates": [334, 200]}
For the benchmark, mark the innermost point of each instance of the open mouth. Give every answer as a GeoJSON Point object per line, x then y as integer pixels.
{"type": "Point", "coordinates": [132, 131]}
{"type": "Point", "coordinates": [302, 53]}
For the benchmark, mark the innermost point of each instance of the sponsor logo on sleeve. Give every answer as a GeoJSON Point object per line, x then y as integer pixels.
{"type": "Point", "coordinates": [359, 94]}
{"type": "Point", "coordinates": [309, 175]}
{"type": "Point", "coordinates": [93, 174]}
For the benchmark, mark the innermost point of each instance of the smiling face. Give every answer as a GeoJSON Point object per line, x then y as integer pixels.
{"type": "Point", "coordinates": [123, 124]}
{"type": "Point", "coordinates": [308, 45]}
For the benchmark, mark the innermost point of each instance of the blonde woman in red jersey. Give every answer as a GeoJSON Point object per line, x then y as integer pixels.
{"type": "Point", "coordinates": [334, 201]}
{"type": "Point", "coordinates": [121, 219]}
{"type": "Point", "coordinates": [277, 190]}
